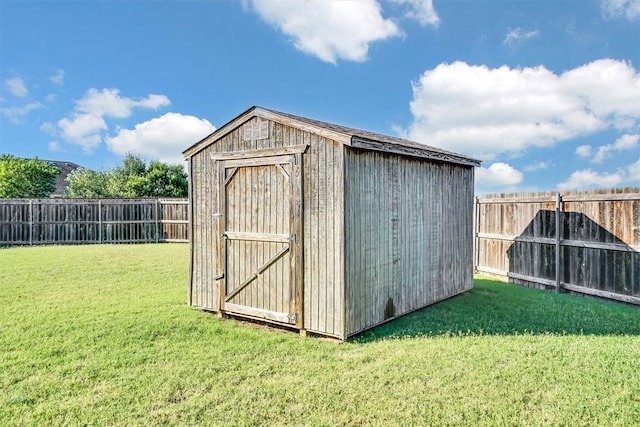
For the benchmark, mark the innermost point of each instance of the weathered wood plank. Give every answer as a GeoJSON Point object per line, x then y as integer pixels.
{"type": "Point", "coordinates": [314, 252]}
{"type": "Point", "coordinates": [262, 237]}
{"type": "Point", "coordinates": [602, 294]}
{"type": "Point", "coordinates": [258, 313]}
{"type": "Point", "coordinates": [190, 192]}
{"type": "Point", "coordinates": [339, 244]}
{"type": "Point", "coordinates": [259, 153]}
{"type": "Point", "coordinates": [298, 242]}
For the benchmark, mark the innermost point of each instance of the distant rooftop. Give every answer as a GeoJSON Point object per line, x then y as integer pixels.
{"type": "Point", "coordinates": [65, 169]}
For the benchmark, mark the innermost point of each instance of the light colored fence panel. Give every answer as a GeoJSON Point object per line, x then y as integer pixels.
{"type": "Point", "coordinates": [174, 220]}
{"type": "Point", "coordinates": [76, 221]}
{"type": "Point", "coordinates": [580, 241]}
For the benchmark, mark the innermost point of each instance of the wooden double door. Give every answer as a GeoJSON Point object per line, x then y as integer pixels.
{"type": "Point", "coordinates": [261, 221]}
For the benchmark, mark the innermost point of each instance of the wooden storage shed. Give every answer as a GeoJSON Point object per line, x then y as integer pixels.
{"type": "Point", "coordinates": [325, 228]}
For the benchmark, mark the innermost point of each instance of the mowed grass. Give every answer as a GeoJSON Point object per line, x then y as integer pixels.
{"type": "Point", "coordinates": [102, 335]}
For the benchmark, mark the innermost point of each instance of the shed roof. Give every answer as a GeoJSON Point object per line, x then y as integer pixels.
{"type": "Point", "coordinates": [349, 136]}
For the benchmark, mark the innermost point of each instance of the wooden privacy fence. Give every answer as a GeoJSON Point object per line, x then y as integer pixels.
{"type": "Point", "coordinates": [74, 221]}
{"type": "Point", "coordinates": [580, 241]}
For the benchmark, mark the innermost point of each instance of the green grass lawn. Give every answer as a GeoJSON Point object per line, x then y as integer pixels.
{"type": "Point", "coordinates": [102, 335]}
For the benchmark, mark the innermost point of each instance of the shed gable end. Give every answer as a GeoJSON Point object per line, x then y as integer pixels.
{"type": "Point", "coordinates": [256, 130]}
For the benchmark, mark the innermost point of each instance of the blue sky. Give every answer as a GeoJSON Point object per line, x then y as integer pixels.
{"type": "Point", "coordinates": [545, 93]}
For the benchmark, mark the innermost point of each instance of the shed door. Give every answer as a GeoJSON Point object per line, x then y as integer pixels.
{"type": "Point", "coordinates": [261, 226]}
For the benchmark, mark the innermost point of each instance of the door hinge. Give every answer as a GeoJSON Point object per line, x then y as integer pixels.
{"type": "Point", "coordinates": [217, 215]}
{"type": "Point", "coordinates": [294, 317]}
{"type": "Point", "coordinates": [293, 238]}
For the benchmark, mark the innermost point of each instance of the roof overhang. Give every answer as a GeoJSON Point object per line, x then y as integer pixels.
{"type": "Point", "coordinates": [346, 136]}
{"type": "Point", "coordinates": [412, 151]}
{"type": "Point", "coordinates": [267, 115]}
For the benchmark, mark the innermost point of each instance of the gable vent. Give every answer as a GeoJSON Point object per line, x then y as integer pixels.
{"type": "Point", "coordinates": [256, 130]}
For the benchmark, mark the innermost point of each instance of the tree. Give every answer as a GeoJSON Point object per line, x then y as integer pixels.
{"type": "Point", "coordinates": [162, 180]}
{"type": "Point", "coordinates": [130, 179]}
{"type": "Point", "coordinates": [121, 180]}
{"type": "Point", "coordinates": [85, 183]}
{"type": "Point", "coordinates": [26, 178]}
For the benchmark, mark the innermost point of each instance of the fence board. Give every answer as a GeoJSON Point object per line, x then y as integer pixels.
{"type": "Point", "coordinates": [78, 221]}
{"type": "Point", "coordinates": [596, 250]}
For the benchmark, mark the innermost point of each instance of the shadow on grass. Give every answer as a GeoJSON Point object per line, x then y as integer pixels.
{"type": "Point", "coordinates": [496, 308]}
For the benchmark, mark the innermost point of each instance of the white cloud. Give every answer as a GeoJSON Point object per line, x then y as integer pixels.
{"type": "Point", "coordinates": [537, 166]}
{"type": "Point", "coordinates": [51, 97]}
{"type": "Point", "coordinates": [484, 112]}
{"type": "Point", "coordinates": [625, 142]}
{"type": "Point", "coordinates": [629, 9]}
{"type": "Point", "coordinates": [420, 10]}
{"type": "Point", "coordinates": [58, 77]}
{"type": "Point", "coordinates": [633, 171]}
{"type": "Point", "coordinates": [15, 114]}
{"type": "Point", "coordinates": [584, 151]}
{"type": "Point", "coordinates": [517, 35]}
{"type": "Point", "coordinates": [16, 87]}
{"type": "Point", "coordinates": [588, 178]}
{"type": "Point", "coordinates": [83, 130]}
{"type": "Point", "coordinates": [49, 128]}
{"type": "Point", "coordinates": [330, 30]}
{"type": "Point", "coordinates": [86, 124]}
{"type": "Point", "coordinates": [108, 102]}
{"type": "Point", "coordinates": [497, 175]}
{"type": "Point", "coordinates": [602, 153]}
{"type": "Point", "coordinates": [610, 89]}
{"type": "Point", "coordinates": [163, 138]}
{"type": "Point", "coordinates": [53, 146]}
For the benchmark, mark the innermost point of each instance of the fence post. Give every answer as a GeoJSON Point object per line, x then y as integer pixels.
{"type": "Point", "coordinates": [476, 231]}
{"type": "Point", "coordinates": [31, 221]}
{"type": "Point", "coordinates": [99, 220]}
{"type": "Point", "coordinates": [559, 221]}
{"type": "Point", "coordinates": [157, 229]}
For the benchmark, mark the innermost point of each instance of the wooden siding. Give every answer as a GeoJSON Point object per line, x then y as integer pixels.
{"type": "Point", "coordinates": [322, 223]}
{"type": "Point", "coordinates": [408, 235]}
{"type": "Point", "coordinates": [203, 180]}
{"type": "Point", "coordinates": [323, 233]}
{"type": "Point", "coordinates": [598, 240]}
